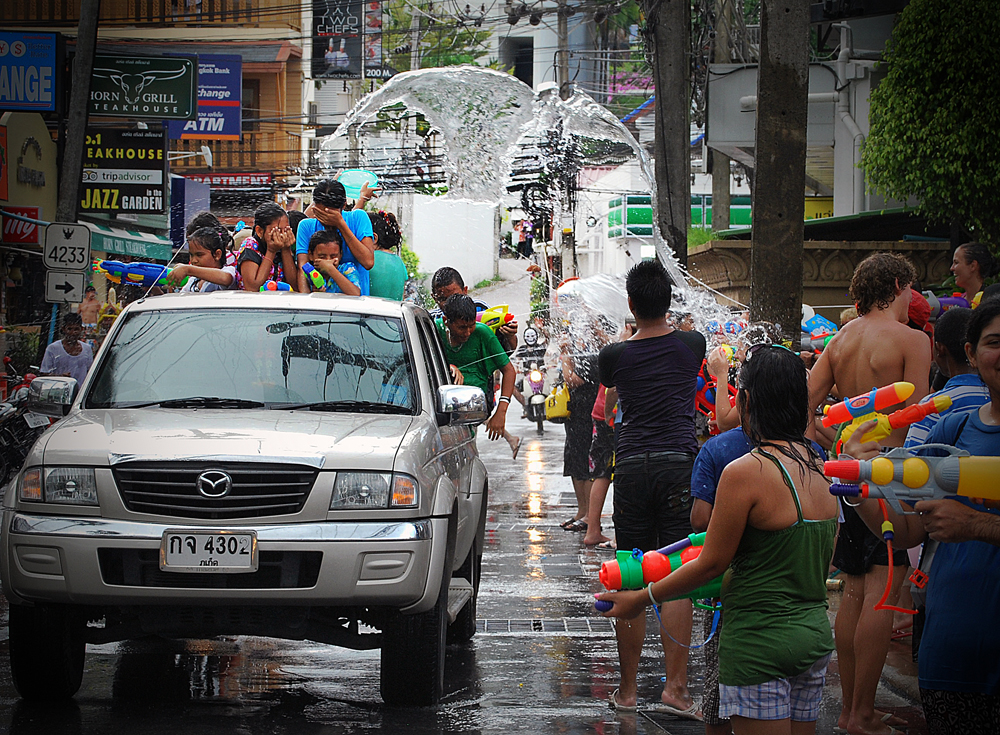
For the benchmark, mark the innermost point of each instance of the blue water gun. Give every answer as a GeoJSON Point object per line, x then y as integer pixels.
{"type": "Point", "coordinates": [146, 275]}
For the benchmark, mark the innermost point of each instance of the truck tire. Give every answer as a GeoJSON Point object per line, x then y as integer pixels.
{"type": "Point", "coordinates": [413, 655]}
{"type": "Point", "coordinates": [47, 650]}
{"type": "Point", "coordinates": [464, 627]}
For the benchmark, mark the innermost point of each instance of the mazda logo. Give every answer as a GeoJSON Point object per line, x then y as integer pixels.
{"type": "Point", "coordinates": [214, 484]}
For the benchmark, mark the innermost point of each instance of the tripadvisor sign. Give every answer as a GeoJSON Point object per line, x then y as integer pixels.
{"type": "Point", "coordinates": [163, 88]}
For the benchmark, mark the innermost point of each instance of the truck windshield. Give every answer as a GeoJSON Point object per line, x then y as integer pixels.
{"type": "Point", "coordinates": [235, 358]}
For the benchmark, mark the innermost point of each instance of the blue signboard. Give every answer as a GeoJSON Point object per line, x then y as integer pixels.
{"type": "Point", "coordinates": [220, 89]}
{"type": "Point", "coordinates": [27, 71]}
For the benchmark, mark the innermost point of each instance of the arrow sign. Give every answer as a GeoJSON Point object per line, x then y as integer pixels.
{"type": "Point", "coordinates": [64, 287]}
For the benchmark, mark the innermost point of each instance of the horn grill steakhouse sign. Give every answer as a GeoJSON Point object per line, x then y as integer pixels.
{"type": "Point", "coordinates": [157, 87]}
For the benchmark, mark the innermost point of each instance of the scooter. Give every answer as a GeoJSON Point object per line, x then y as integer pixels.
{"type": "Point", "coordinates": [18, 427]}
{"type": "Point", "coordinates": [534, 403]}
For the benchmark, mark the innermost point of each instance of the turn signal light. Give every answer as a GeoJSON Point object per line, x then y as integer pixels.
{"type": "Point", "coordinates": [404, 492]}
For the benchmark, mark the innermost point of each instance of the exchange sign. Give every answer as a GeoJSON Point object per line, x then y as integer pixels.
{"type": "Point", "coordinates": [220, 88]}
{"type": "Point", "coordinates": [124, 171]}
{"type": "Point", "coordinates": [27, 71]}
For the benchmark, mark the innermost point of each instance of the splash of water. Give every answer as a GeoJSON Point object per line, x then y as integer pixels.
{"type": "Point", "coordinates": [480, 114]}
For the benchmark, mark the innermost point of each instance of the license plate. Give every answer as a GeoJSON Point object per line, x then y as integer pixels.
{"type": "Point", "coordinates": [208, 551]}
{"type": "Point", "coordinates": [36, 420]}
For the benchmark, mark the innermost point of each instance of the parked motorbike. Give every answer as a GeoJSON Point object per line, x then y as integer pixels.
{"type": "Point", "coordinates": [19, 428]}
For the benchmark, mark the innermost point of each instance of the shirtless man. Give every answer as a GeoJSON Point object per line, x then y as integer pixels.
{"type": "Point", "coordinates": [874, 350]}
{"type": "Point", "coordinates": [89, 308]}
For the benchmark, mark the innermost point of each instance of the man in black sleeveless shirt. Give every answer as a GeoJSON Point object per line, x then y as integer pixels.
{"type": "Point", "coordinates": [655, 375]}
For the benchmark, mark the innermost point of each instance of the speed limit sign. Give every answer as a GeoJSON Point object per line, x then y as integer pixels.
{"type": "Point", "coordinates": [67, 246]}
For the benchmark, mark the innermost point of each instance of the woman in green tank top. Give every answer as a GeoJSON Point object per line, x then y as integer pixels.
{"type": "Point", "coordinates": [772, 533]}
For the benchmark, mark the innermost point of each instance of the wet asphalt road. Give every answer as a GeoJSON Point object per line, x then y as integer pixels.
{"type": "Point", "coordinates": [542, 661]}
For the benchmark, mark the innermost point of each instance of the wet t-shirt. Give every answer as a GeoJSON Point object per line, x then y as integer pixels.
{"type": "Point", "coordinates": [656, 380]}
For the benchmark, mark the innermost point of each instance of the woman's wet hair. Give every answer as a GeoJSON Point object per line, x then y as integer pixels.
{"type": "Point", "coordinates": [207, 219]}
{"type": "Point", "coordinates": [459, 308]}
{"type": "Point", "coordinates": [384, 225]}
{"type": "Point", "coordinates": [330, 193]}
{"type": "Point", "coordinates": [981, 319]}
{"type": "Point", "coordinates": [979, 253]}
{"type": "Point", "coordinates": [210, 239]}
{"type": "Point", "coordinates": [264, 216]}
{"type": "Point", "coordinates": [774, 403]}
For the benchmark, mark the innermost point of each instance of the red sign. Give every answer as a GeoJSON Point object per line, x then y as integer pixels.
{"type": "Point", "coordinates": [226, 181]}
{"type": "Point", "coordinates": [19, 232]}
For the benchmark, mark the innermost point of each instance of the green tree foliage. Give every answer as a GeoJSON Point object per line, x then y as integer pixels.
{"type": "Point", "coordinates": [935, 117]}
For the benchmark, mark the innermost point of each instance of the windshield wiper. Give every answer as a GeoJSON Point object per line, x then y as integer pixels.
{"type": "Point", "coordinates": [201, 402]}
{"type": "Point", "coordinates": [347, 407]}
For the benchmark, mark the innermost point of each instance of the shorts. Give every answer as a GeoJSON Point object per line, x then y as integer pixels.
{"type": "Point", "coordinates": [576, 451]}
{"type": "Point", "coordinates": [797, 697]}
{"type": "Point", "coordinates": [858, 549]}
{"type": "Point", "coordinates": [710, 695]}
{"type": "Point", "coordinates": [602, 451]}
{"type": "Point", "coordinates": [652, 506]}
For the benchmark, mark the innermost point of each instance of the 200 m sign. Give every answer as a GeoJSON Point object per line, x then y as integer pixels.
{"type": "Point", "coordinates": [187, 550]}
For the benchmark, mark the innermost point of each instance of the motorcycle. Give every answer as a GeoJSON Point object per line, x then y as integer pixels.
{"type": "Point", "coordinates": [533, 378]}
{"type": "Point", "coordinates": [19, 428]}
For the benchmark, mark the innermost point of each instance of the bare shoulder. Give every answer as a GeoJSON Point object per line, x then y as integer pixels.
{"type": "Point", "coordinates": [743, 472]}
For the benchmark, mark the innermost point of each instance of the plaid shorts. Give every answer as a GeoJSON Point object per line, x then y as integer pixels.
{"type": "Point", "coordinates": [797, 697]}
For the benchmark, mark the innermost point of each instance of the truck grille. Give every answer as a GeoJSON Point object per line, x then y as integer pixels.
{"type": "Point", "coordinates": [277, 570]}
{"type": "Point", "coordinates": [171, 489]}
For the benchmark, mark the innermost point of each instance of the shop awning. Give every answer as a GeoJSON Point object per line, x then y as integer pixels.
{"type": "Point", "coordinates": [113, 241]}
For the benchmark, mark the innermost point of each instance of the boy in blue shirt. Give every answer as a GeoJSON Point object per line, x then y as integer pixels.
{"type": "Point", "coordinates": [354, 228]}
{"type": "Point", "coordinates": [326, 257]}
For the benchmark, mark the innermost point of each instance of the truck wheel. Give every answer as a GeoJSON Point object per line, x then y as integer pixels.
{"type": "Point", "coordinates": [464, 627]}
{"type": "Point", "coordinates": [413, 655]}
{"type": "Point", "coordinates": [47, 649]}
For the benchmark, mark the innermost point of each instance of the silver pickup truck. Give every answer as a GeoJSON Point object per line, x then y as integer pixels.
{"type": "Point", "coordinates": [286, 465]}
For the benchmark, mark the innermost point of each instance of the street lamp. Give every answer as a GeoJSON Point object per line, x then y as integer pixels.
{"type": "Point", "coordinates": [205, 152]}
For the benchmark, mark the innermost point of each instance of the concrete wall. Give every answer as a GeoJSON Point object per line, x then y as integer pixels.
{"type": "Point", "coordinates": [455, 233]}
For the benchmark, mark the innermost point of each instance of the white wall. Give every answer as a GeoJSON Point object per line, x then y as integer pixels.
{"type": "Point", "coordinates": [456, 233]}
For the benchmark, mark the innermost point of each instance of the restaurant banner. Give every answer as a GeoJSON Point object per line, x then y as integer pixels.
{"type": "Point", "coordinates": [157, 87]}
{"type": "Point", "coordinates": [220, 91]}
{"type": "Point", "coordinates": [338, 30]}
{"type": "Point", "coordinates": [124, 171]}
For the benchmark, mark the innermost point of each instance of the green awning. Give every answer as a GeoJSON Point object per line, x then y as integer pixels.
{"type": "Point", "coordinates": [114, 241]}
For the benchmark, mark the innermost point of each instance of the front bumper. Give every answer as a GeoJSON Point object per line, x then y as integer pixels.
{"type": "Point", "coordinates": [58, 559]}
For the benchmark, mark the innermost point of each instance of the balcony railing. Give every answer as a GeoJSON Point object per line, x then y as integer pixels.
{"type": "Point", "coordinates": [266, 151]}
{"type": "Point", "coordinates": [269, 13]}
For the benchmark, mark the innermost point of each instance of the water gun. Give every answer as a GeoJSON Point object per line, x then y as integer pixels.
{"type": "Point", "coordinates": [898, 475]}
{"type": "Point", "coordinates": [896, 420]}
{"type": "Point", "coordinates": [859, 407]}
{"type": "Point", "coordinates": [318, 282]}
{"type": "Point", "coordinates": [816, 342]}
{"type": "Point", "coordinates": [495, 317]}
{"type": "Point", "coordinates": [633, 570]}
{"type": "Point", "coordinates": [146, 275]}
{"type": "Point", "coordinates": [940, 304]}
{"type": "Point", "coordinates": [819, 324]}
{"type": "Point", "coordinates": [704, 399]}
{"type": "Point", "coordinates": [275, 286]}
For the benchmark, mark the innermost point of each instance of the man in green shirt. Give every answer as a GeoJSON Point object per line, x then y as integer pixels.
{"type": "Point", "coordinates": [474, 352]}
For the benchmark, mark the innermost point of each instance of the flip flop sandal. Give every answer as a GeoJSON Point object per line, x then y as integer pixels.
{"type": "Point", "coordinates": [613, 701]}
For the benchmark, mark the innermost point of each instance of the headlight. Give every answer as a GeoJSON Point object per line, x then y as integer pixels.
{"type": "Point", "coordinates": [67, 485]}
{"type": "Point", "coordinates": [535, 376]}
{"type": "Point", "coordinates": [373, 490]}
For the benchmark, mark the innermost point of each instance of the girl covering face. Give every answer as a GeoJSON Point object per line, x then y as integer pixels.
{"type": "Point", "coordinates": [206, 269]}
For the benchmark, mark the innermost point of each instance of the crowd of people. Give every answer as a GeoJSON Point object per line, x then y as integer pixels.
{"type": "Point", "coordinates": [775, 532]}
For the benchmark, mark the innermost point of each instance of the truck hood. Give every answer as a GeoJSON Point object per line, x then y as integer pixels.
{"type": "Point", "coordinates": [317, 439]}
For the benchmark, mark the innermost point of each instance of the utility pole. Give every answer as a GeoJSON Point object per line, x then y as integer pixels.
{"type": "Point", "coordinates": [779, 187]}
{"type": "Point", "coordinates": [562, 53]}
{"type": "Point", "coordinates": [668, 23]}
{"type": "Point", "coordinates": [720, 161]}
{"type": "Point", "coordinates": [71, 174]}
{"type": "Point", "coordinates": [414, 39]}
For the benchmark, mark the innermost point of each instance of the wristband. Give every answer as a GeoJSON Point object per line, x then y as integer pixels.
{"type": "Point", "coordinates": [649, 589]}
{"type": "Point", "coordinates": [505, 399]}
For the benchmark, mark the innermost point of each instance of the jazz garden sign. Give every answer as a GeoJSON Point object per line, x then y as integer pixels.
{"type": "Point", "coordinates": [161, 88]}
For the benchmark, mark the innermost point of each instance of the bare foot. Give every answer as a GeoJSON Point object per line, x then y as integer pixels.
{"type": "Point", "coordinates": [594, 539]}
{"type": "Point", "coordinates": [876, 727]}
